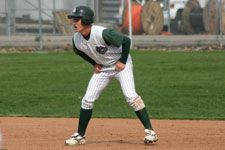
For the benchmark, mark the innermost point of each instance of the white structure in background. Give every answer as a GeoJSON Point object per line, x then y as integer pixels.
{"type": "Point", "coordinates": [2, 8]}
{"type": "Point", "coordinates": [174, 14]}
{"type": "Point", "coordinates": [15, 13]}
{"type": "Point", "coordinates": [30, 7]}
{"type": "Point", "coordinates": [176, 7]}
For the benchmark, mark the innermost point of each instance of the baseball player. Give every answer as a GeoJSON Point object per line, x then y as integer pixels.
{"type": "Point", "coordinates": [108, 51]}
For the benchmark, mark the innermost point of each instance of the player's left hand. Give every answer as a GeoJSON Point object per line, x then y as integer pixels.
{"type": "Point", "coordinates": [97, 68]}
{"type": "Point", "coordinates": [120, 66]}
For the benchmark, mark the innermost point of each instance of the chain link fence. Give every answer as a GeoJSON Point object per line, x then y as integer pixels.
{"type": "Point", "coordinates": [28, 16]}
{"type": "Point", "coordinates": [149, 17]}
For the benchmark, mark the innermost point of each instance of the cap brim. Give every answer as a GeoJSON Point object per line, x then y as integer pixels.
{"type": "Point", "coordinates": [71, 16]}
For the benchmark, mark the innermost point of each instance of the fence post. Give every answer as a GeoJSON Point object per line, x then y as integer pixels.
{"type": "Point", "coordinates": [168, 3]}
{"type": "Point", "coordinates": [97, 10]}
{"type": "Point", "coordinates": [40, 24]}
{"type": "Point", "coordinates": [9, 18]}
{"type": "Point", "coordinates": [221, 23]}
{"type": "Point", "coordinates": [130, 23]}
{"type": "Point", "coordinates": [54, 27]}
{"type": "Point", "coordinates": [10, 4]}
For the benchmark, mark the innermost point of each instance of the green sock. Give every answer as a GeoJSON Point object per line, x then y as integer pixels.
{"type": "Point", "coordinates": [144, 118]}
{"type": "Point", "coordinates": [85, 116]}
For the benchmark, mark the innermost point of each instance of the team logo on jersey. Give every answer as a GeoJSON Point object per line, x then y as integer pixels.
{"type": "Point", "coordinates": [101, 49]}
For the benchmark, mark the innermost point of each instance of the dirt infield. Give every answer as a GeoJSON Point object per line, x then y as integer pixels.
{"type": "Point", "coordinates": [111, 134]}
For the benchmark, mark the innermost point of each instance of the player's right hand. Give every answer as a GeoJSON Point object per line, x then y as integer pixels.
{"type": "Point", "coordinates": [120, 66]}
{"type": "Point", "coordinates": [97, 68]}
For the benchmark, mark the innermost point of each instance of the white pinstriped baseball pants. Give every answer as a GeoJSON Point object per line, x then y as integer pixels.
{"type": "Point", "coordinates": [100, 80]}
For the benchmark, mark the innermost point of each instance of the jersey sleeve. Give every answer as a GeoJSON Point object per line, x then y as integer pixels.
{"type": "Point", "coordinates": [111, 37]}
{"type": "Point", "coordinates": [83, 55]}
{"type": "Point", "coordinates": [125, 49]}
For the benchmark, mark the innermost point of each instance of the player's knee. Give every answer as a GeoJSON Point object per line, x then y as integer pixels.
{"type": "Point", "coordinates": [130, 96]}
{"type": "Point", "coordinates": [137, 104]}
{"type": "Point", "coordinates": [88, 100]}
{"type": "Point", "coordinates": [87, 104]}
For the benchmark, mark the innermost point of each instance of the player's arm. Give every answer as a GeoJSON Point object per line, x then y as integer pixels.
{"type": "Point", "coordinates": [83, 55]}
{"type": "Point", "coordinates": [111, 37]}
{"type": "Point", "coordinates": [114, 38]}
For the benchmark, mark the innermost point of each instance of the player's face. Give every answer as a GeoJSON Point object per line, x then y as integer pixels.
{"type": "Point", "coordinates": [78, 25]}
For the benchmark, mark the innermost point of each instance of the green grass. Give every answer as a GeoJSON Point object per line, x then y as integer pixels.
{"type": "Point", "coordinates": [173, 85]}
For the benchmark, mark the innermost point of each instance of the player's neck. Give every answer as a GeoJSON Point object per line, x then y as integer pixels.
{"type": "Point", "coordinates": [86, 31]}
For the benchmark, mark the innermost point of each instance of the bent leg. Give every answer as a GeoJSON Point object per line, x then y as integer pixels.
{"type": "Point", "coordinates": [126, 80]}
{"type": "Point", "coordinates": [97, 83]}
